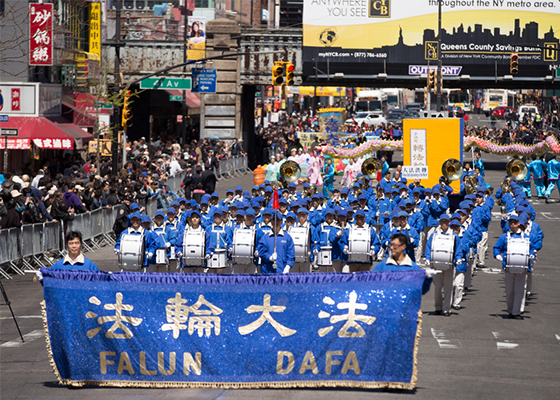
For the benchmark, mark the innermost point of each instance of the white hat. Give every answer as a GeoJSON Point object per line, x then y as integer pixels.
{"type": "Point", "coordinates": [79, 187]}
{"type": "Point", "coordinates": [15, 193]}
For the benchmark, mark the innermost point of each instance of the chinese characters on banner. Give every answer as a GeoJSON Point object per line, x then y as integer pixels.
{"type": "Point", "coordinates": [15, 144]}
{"type": "Point", "coordinates": [16, 99]}
{"type": "Point", "coordinates": [95, 29]}
{"type": "Point", "coordinates": [40, 34]}
{"type": "Point", "coordinates": [418, 168]}
{"type": "Point", "coordinates": [56, 144]}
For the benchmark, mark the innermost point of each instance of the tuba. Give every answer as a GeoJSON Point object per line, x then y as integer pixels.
{"type": "Point", "coordinates": [452, 169]}
{"type": "Point", "coordinates": [370, 167]}
{"type": "Point", "coordinates": [471, 184]}
{"type": "Point", "coordinates": [516, 169]}
{"type": "Point", "coordinates": [290, 171]}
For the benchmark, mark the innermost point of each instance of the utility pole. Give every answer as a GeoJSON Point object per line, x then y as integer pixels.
{"type": "Point", "coordinates": [184, 101]}
{"type": "Point", "coordinates": [117, 110]}
{"type": "Point", "coordinates": [439, 77]}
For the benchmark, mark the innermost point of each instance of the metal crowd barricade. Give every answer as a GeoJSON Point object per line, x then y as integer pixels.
{"type": "Point", "coordinates": [5, 252]}
{"type": "Point", "coordinates": [31, 238]}
{"type": "Point", "coordinates": [232, 167]}
{"type": "Point", "coordinates": [96, 217]}
{"type": "Point", "coordinates": [151, 206]}
{"type": "Point", "coordinates": [108, 220]}
{"type": "Point", "coordinates": [53, 236]}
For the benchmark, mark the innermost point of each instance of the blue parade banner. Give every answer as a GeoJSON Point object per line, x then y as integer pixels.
{"type": "Point", "coordinates": [233, 331]}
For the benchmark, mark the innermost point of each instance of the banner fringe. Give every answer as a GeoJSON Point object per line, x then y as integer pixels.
{"type": "Point", "coordinates": [48, 342]}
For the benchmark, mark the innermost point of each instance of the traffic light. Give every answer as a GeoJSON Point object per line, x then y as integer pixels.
{"type": "Point", "coordinates": [426, 94]}
{"type": "Point", "coordinates": [432, 79]}
{"type": "Point", "coordinates": [436, 82]}
{"type": "Point", "coordinates": [277, 74]}
{"type": "Point", "coordinates": [290, 74]}
{"type": "Point", "coordinates": [127, 110]}
{"type": "Point", "coordinates": [514, 63]}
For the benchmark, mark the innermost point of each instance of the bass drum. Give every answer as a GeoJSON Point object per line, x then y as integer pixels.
{"type": "Point", "coordinates": [243, 246]}
{"type": "Point", "coordinates": [359, 245]}
{"type": "Point", "coordinates": [194, 248]}
{"type": "Point", "coordinates": [300, 236]}
{"type": "Point", "coordinates": [517, 256]}
{"type": "Point", "coordinates": [131, 256]}
{"type": "Point", "coordinates": [443, 247]}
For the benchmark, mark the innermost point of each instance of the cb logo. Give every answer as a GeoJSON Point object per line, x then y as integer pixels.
{"type": "Point", "coordinates": [379, 8]}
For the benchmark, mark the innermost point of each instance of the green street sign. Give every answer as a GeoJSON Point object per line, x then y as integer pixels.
{"type": "Point", "coordinates": [166, 83]}
{"type": "Point", "coordinates": [104, 106]}
{"type": "Point", "coordinates": [557, 75]}
{"type": "Point", "coordinates": [175, 98]}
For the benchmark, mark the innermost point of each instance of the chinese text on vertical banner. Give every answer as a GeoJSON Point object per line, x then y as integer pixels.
{"type": "Point", "coordinates": [40, 34]}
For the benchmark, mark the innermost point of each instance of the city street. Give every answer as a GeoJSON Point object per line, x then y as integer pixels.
{"type": "Point", "coordinates": [477, 353]}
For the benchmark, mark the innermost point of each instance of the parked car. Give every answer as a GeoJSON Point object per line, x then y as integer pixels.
{"type": "Point", "coordinates": [396, 116]}
{"type": "Point", "coordinates": [369, 118]}
{"type": "Point", "coordinates": [529, 109]}
{"type": "Point", "coordinates": [415, 106]}
{"type": "Point", "coordinates": [501, 111]}
{"type": "Point", "coordinates": [455, 111]}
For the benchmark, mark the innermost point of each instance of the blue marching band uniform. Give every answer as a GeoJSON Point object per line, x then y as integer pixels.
{"type": "Point", "coordinates": [333, 224]}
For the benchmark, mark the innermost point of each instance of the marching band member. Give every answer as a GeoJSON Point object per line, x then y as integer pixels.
{"type": "Point", "coordinates": [172, 234]}
{"type": "Point", "coordinates": [410, 232]}
{"type": "Point", "coordinates": [246, 224]}
{"type": "Point", "coordinates": [340, 248]}
{"type": "Point", "coordinates": [228, 200]}
{"type": "Point", "coordinates": [134, 229]}
{"type": "Point", "coordinates": [444, 280]}
{"type": "Point", "coordinates": [221, 237]}
{"type": "Point", "coordinates": [335, 200]}
{"type": "Point", "coordinates": [374, 243]}
{"type": "Point", "coordinates": [153, 243]}
{"type": "Point", "coordinates": [464, 243]}
{"type": "Point", "coordinates": [482, 215]}
{"type": "Point", "coordinates": [276, 249]}
{"type": "Point", "coordinates": [515, 283]}
{"type": "Point", "coordinates": [384, 206]}
{"type": "Point", "coordinates": [303, 223]}
{"type": "Point", "coordinates": [193, 225]}
{"type": "Point", "coordinates": [161, 229]}
{"type": "Point", "coordinates": [325, 236]}
{"type": "Point", "coordinates": [536, 235]}
{"type": "Point", "coordinates": [289, 221]}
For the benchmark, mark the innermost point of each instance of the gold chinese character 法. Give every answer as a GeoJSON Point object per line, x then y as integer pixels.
{"type": "Point", "coordinates": [351, 327]}
{"type": "Point", "coordinates": [118, 319]}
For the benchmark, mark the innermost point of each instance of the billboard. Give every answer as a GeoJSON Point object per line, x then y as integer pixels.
{"type": "Point", "coordinates": [40, 34]}
{"type": "Point", "coordinates": [477, 36]}
{"type": "Point", "coordinates": [196, 38]}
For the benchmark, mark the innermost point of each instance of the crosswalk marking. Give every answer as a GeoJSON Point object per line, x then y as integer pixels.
{"type": "Point", "coordinates": [23, 317]}
{"type": "Point", "coordinates": [444, 343]}
{"type": "Point", "coordinates": [491, 270]}
{"type": "Point", "coordinates": [28, 337]}
{"type": "Point", "coordinates": [507, 345]}
{"type": "Point", "coordinates": [558, 337]}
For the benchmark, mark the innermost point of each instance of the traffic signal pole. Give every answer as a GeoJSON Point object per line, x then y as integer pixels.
{"type": "Point", "coordinates": [439, 77]}
{"type": "Point", "coordinates": [117, 110]}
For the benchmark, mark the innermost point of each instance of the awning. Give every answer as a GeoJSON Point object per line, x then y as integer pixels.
{"type": "Point", "coordinates": [192, 100]}
{"type": "Point", "coordinates": [80, 136]}
{"type": "Point", "coordinates": [79, 117]}
{"type": "Point", "coordinates": [44, 133]}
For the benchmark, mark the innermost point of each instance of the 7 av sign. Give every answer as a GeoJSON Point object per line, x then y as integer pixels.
{"type": "Point", "coordinates": [166, 83]}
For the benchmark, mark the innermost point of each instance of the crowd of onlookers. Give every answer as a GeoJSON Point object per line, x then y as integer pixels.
{"type": "Point", "coordinates": [68, 185]}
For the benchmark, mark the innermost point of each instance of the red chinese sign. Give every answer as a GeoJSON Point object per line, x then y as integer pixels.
{"type": "Point", "coordinates": [57, 144]}
{"type": "Point", "coordinates": [40, 34]}
{"type": "Point", "coordinates": [16, 99]}
{"type": "Point", "coordinates": [16, 144]}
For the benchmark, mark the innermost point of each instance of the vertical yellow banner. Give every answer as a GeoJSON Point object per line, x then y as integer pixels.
{"type": "Point", "coordinates": [95, 29]}
{"type": "Point", "coordinates": [441, 139]}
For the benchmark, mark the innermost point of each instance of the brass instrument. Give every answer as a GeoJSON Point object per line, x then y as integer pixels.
{"type": "Point", "coordinates": [312, 190]}
{"type": "Point", "coordinates": [506, 185]}
{"type": "Point", "coordinates": [290, 171]}
{"type": "Point", "coordinates": [471, 184]}
{"type": "Point", "coordinates": [516, 169]}
{"type": "Point", "coordinates": [370, 167]}
{"type": "Point", "coordinates": [452, 169]}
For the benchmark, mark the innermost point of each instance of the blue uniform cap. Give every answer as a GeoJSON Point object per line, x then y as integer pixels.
{"type": "Point", "coordinates": [395, 190]}
{"type": "Point", "coordinates": [217, 212]}
{"type": "Point", "coordinates": [240, 213]}
{"type": "Point", "coordinates": [344, 190]}
{"type": "Point", "coordinates": [266, 182]}
{"type": "Point", "coordinates": [181, 199]}
{"type": "Point", "coordinates": [194, 203]}
{"type": "Point", "coordinates": [282, 201]}
{"type": "Point", "coordinates": [229, 191]}
{"type": "Point", "coordinates": [134, 206]}
{"type": "Point", "coordinates": [436, 188]}
{"type": "Point", "coordinates": [170, 210]}
{"type": "Point", "coordinates": [175, 203]}
{"type": "Point", "coordinates": [203, 201]}
{"type": "Point", "coordinates": [136, 215]}
{"type": "Point", "coordinates": [146, 218]}
{"type": "Point", "coordinates": [302, 210]}
{"type": "Point", "coordinates": [342, 213]}
{"type": "Point", "coordinates": [159, 214]}
{"type": "Point", "coordinates": [268, 211]}
{"type": "Point", "coordinates": [193, 212]}
{"type": "Point", "coordinates": [523, 218]}
{"type": "Point", "coordinates": [329, 211]}
{"type": "Point", "coordinates": [403, 214]}
{"type": "Point", "coordinates": [320, 195]}
{"type": "Point", "coordinates": [514, 217]}
{"type": "Point", "coordinates": [455, 215]}
{"type": "Point", "coordinates": [416, 190]}
{"type": "Point", "coordinates": [250, 211]}
{"type": "Point", "coordinates": [455, 222]}
{"type": "Point", "coordinates": [460, 210]}
{"type": "Point", "coordinates": [215, 195]}
{"type": "Point", "coordinates": [246, 194]}
{"type": "Point", "coordinates": [408, 201]}
{"type": "Point", "coordinates": [444, 217]}
{"type": "Point", "coordinates": [306, 186]}
{"type": "Point", "coordinates": [428, 190]}
{"type": "Point", "coordinates": [360, 213]}
{"type": "Point", "coordinates": [315, 197]}
{"type": "Point", "coordinates": [362, 197]}
{"type": "Point", "coordinates": [234, 205]}
{"type": "Point", "coordinates": [255, 188]}
{"type": "Point", "coordinates": [268, 189]}
{"type": "Point", "coordinates": [337, 209]}
{"type": "Point", "coordinates": [292, 185]}
{"type": "Point", "coordinates": [238, 189]}
{"type": "Point", "coordinates": [277, 214]}
{"type": "Point", "coordinates": [291, 215]}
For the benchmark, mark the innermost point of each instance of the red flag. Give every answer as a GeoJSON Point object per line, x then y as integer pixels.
{"type": "Point", "coordinates": [275, 202]}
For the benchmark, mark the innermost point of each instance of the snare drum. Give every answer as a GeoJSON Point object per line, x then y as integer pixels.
{"type": "Point", "coordinates": [161, 257]}
{"type": "Point", "coordinates": [131, 256]}
{"type": "Point", "coordinates": [172, 253]}
{"type": "Point", "coordinates": [359, 245]}
{"type": "Point", "coordinates": [194, 248]}
{"type": "Point", "coordinates": [300, 236]}
{"type": "Point", "coordinates": [243, 246]}
{"type": "Point", "coordinates": [517, 256]}
{"type": "Point", "coordinates": [324, 259]}
{"type": "Point", "coordinates": [218, 260]}
{"type": "Point", "coordinates": [442, 251]}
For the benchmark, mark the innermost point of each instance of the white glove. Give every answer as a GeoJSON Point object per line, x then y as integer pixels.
{"type": "Point", "coordinates": [38, 276]}
{"type": "Point", "coordinates": [315, 252]}
{"type": "Point", "coordinates": [411, 240]}
{"type": "Point", "coordinates": [459, 262]}
{"type": "Point", "coordinates": [168, 245]}
{"type": "Point", "coordinates": [256, 253]}
{"type": "Point", "coordinates": [339, 234]}
{"type": "Point", "coordinates": [430, 273]}
{"type": "Point", "coordinates": [179, 254]}
{"type": "Point", "coordinates": [150, 255]}
{"type": "Point", "coordinates": [427, 264]}
{"type": "Point", "coordinates": [386, 213]}
{"type": "Point", "coordinates": [532, 257]}
{"type": "Point", "coordinates": [117, 252]}
{"type": "Point", "coordinates": [208, 256]}
{"type": "Point", "coordinates": [499, 257]}
{"type": "Point", "coordinates": [345, 251]}
{"type": "Point", "coordinates": [273, 257]}
{"type": "Point", "coordinates": [286, 269]}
